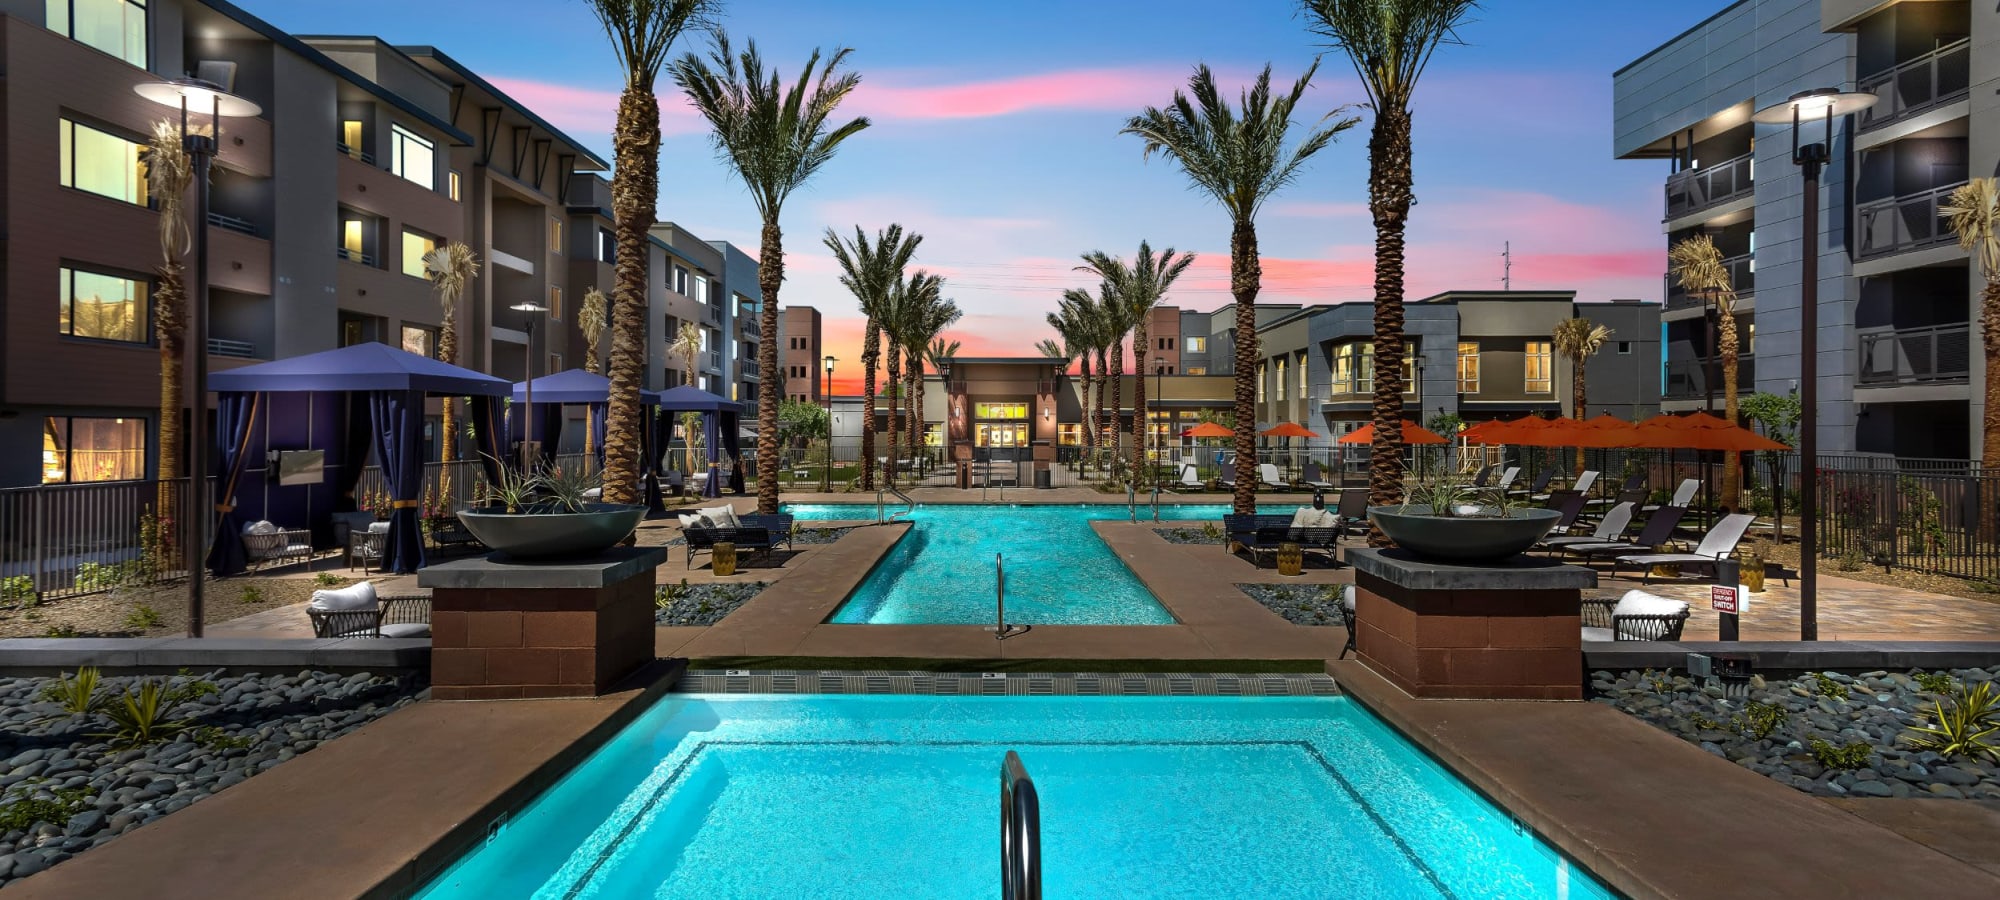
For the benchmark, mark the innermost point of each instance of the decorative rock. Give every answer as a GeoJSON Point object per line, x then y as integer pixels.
{"type": "Point", "coordinates": [1870, 789]}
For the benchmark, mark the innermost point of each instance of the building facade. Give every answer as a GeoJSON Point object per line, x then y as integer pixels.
{"type": "Point", "coordinates": [799, 358]}
{"type": "Point", "coordinates": [1897, 299]}
{"type": "Point", "coordinates": [365, 156]}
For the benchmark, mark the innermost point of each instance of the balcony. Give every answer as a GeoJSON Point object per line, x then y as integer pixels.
{"type": "Point", "coordinates": [232, 223]}
{"type": "Point", "coordinates": [1900, 224]}
{"type": "Point", "coordinates": [366, 259]}
{"type": "Point", "coordinates": [232, 349]}
{"type": "Point", "coordinates": [1925, 83]}
{"type": "Point", "coordinates": [1697, 189]}
{"type": "Point", "coordinates": [1937, 355]}
{"type": "Point", "coordinates": [748, 369]}
{"type": "Point", "coordinates": [747, 326]}
{"type": "Point", "coordinates": [713, 315]}
{"type": "Point", "coordinates": [1742, 276]}
{"type": "Point", "coordinates": [352, 153]}
{"type": "Point", "coordinates": [1687, 379]}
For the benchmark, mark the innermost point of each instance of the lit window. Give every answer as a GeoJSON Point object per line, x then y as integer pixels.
{"type": "Point", "coordinates": [555, 235]}
{"type": "Point", "coordinates": [79, 450]}
{"type": "Point", "coordinates": [1281, 378]}
{"type": "Point", "coordinates": [117, 27]}
{"type": "Point", "coordinates": [555, 362]}
{"type": "Point", "coordinates": [1540, 369]}
{"type": "Point", "coordinates": [607, 246]}
{"type": "Point", "coordinates": [1304, 382]}
{"type": "Point", "coordinates": [1195, 370]}
{"type": "Point", "coordinates": [103, 307]}
{"type": "Point", "coordinates": [1000, 410]}
{"type": "Point", "coordinates": [555, 302]}
{"type": "Point", "coordinates": [101, 163]}
{"type": "Point", "coordinates": [350, 137]}
{"type": "Point", "coordinates": [1468, 367]}
{"type": "Point", "coordinates": [700, 289]}
{"type": "Point", "coordinates": [414, 247]}
{"type": "Point", "coordinates": [1364, 368]}
{"type": "Point", "coordinates": [420, 340]}
{"type": "Point", "coordinates": [1260, 382]}
{"type": "Point", "coordinates": [412, 157]}
{"type": "Point", "coordinates": [1197, 345]}
{"type": "Point", "coordinates": [452, 184]}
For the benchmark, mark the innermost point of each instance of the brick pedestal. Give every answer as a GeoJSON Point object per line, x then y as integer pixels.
{"type": "Point", "coordinates": [1508, 630]}
{"type": "Point", "coordinates": [507, 629]}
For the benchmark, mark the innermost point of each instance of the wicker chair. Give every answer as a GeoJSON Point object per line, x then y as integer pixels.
{"type": "Point", "coordinates": [277, 546]}
{"type": "Point", "coordinates": [370, 547]}
{"type": "Point", "coordinates": [398, 616]}
{"type": "Point", "coordinates": [1616, 620]}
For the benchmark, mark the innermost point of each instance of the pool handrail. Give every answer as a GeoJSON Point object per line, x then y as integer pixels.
{"type": "Point", "coordinates": [1020, 832]}
{"type": "Point", "coordinates": [908, 504]}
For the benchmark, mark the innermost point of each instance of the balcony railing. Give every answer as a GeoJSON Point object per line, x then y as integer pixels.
{"type": "Point", "coordinates": [1927, 82]}
{"type": "Point", "coordinates": [1903, 223]}
{"type": "Point", "coordinates": [1742, 277]}
{"type": "Point", "coordinates": [241, 226]}
{"type": "Point", "coordinates": [1698, 189]}
{"type": "Point", "coordinates": [749, 369]}
{"type": "Point", "coordinates": [366, 259]}
{"type": "Point", "coordinates": [715, 360]}
{"type": "Point", "coordinates": [713, 315]}
{"type": "Point", "coordinates": [362, 155]}
{"type": "Point", "coordinates": [233, 349]}
{"type": "Point", "coordinates": [1688, 379]}
{"type": "Point", "coordinates": [1941, 354]}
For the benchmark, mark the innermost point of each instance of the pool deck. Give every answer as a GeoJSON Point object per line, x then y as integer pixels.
{"type": "Point", "coordinates": [373, 814]}
{"type": "Point", "coordinates": [1654, 816]}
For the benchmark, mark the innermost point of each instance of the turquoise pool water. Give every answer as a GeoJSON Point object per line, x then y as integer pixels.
{"type": "Point", "coordinates": [748, 797]}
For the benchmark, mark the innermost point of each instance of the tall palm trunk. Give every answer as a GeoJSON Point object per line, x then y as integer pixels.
{"type": "Point", "coordinates": [871, 357]}
{"type": "Point", "coordinates": [1089, 408]}
{"type": "Point", "coordinates": [448, 423]}
{"type": "Point", "coordinates": [1389, 200]}
{"type": "Point", "coordinates": [1732, 463]}
{"type": "Point", "coordinates": [895, 354]}
{"type": "Point", "coordinates": [1989, 331]}
{"type": "Point", "coordinates": [1245, 276]}
{"type": "Point", "coordinates": [1140, 425]}
{"type": "Point", "coordinates": [770, 274]}
{"type": "Point", "coordinates": [1579, 396]}
{"type": "Point", "coordinates": [1097, 421]}
{"type": "Point", "coordinates": [917, 439]}
{"type": "Point", "coordinates": [1118, 398]}
{"type": "Point", "coordinates": [170, 326]}
{"type": "Point", "coordinates": [635, 194]}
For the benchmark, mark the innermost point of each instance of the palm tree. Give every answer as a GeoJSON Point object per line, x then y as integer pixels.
{"type": "Point", "coordinates": [451, 268]}
{"type": "Point", "coordinates": [775, 139]}
{"type": "Point", "coordinates": [1579, 339]}
{"type": "Point", "coordinates": [169, 171]}
{"type": "Point", "coordinates": [1390, 42]}
{"type": "Point", "coordinates": [906, 300]}
{"type": "Point", "coordinates": [869, 272]}
{"type": "Point", "coordinates": [590, 319]}
{"type": "Point", "coordinates": [642, 33]}
{"type": "Point", "coordinates": [938, 314]}
{"type": "Point", "coordinates": [1697, 265]}
{"type": "Point", "coordinates": [687, 346]}
{"type": "Point", "coordinates": [1139, 287]}
{"type": "Point", "coordinates": [1071, 324]}
{"type": "Point", "coordinates": [1973, 212]}
{"type": "Point", "coordinates": [1240, 159]}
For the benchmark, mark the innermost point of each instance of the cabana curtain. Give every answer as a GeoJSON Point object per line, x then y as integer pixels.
{"type": "Point", "coordinates": [399, 447]}
{"type": "Point", "coordinates": [236, 414]}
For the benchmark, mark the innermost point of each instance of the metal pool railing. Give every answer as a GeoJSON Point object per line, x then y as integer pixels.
{"type": "Point", "coordinates": [1020, 832]}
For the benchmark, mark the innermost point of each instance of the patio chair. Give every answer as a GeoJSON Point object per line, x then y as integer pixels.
{"type": "Point", "coordinates": [1190, 479]}
{"type": "Point", "coordinates": [1353, 509]}
{"type": "Point", "coordinates": [1583, 484]}
{"type": "Point", "coordinates": [1313, 477]}
{"type": "Point", "coordinates": [1634, 496]}
{"type": "Point", "coordinates": [1659, 531]}
{"type": "Point", "coordinates": [1347, 618]}
{"type": "Point", "coordinates": [1267, 475]}
{"type": "Point", "coordinates": [1537, 491]}
{"type": "Point", "coordinates": [1610, 529]}
{"type": "Point", "coordinates": [264, 542]}
{"type": "Point", "coordinates": [1570, 504]}
{"type": "Point", "coordinates": [356, 611]}
{"type": "Point", "coordinates": [1479, 480]}
{"type": "Point", "coordinates": [1683, 495]}
{"type": "Point", "coordinates": [1507, 477]}
{"type": "Point", "coordinates": [1227, 478]}
{"type": "Point", "coordinates": [1637, 616]}
{"type": "Point", "coordinates": [1719, 543]}
{"type": "Point", "coordinates": [370, 547]}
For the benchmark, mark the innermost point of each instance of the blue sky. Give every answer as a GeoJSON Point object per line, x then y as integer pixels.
{"type": "Point", "coordinates": [996, 135]}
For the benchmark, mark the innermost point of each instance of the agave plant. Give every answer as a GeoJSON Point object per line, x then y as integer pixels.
{"type": "Point", "coordinates": [1441, 489]}
{"type": "Point", "coordinates": [566, 487]}
{"type": "Point", "coordinates": [514, 489]}
{"type": "Point", "coordinates": [1971, 727]}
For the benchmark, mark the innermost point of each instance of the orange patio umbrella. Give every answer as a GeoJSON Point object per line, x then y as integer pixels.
{"type": "Point", "coordinates": [1290, 430]}
{"type": "Point", "coordinates": [1561, 431]}
{"type": "Point", "coordinates": [1412, 434]}
{"type": "Point", "coordinates": [1605, 431]}
{"type": "Point", "coordinates": [1721, 436]}
{"type": "Point", "coordinates": [1513, 431]}
{"type": "Point", "coordinates": [1209, 430]}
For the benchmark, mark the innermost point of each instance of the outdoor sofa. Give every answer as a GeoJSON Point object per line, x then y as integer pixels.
{"type": "Point", "coordinates": [1261, 534]}
{"type": "Point", "coordinates": [753, 532]}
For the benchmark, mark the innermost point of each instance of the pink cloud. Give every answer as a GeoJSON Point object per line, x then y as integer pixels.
{"type": "Point", "coordinates": [590, 113]}
{"type": "Point", "coordinates": [1076, 89]}
{"type": "Point", "coordinates": [1319, 210]}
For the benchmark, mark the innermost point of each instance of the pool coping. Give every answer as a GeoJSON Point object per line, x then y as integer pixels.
{"type": "Point", "coordinates": [1672, 820]}
{"type": "Point", "coordinates": [1005, 684]}
{"type": "Point", "coordinates": [374, 814]}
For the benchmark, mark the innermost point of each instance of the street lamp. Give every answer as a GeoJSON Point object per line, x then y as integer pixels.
{"type": "Point", "coordinates": [1152, 427]}
{"type": "Point", "coordinates": [1824, 103]}
{"type": "Point", "coordinates": [826, 390]}
{"type": "Point", "coordinates": [528, 309]}
{"type": "Point", "coordinates": [184, 93]}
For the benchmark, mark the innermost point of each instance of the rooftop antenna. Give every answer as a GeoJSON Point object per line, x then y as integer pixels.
{"type": "Point", "coordinates": [1507, 266]}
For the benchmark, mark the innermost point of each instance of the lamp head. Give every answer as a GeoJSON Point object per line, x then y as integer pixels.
{"type": "Point", "coordinates": [829, 361]}
{"type": "Point", "coordinates": [196, 95]}
{"type": "Point", "coordinates": [528, 306]}
{"type": "Point", "coordinates": [1813, 104]}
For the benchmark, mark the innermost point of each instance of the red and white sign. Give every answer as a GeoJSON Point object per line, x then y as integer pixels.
{"type": "Point", "coordinates": [1723, 598]}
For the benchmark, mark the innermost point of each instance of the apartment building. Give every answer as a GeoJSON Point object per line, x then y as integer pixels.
{"type": "Point", "coordinates": [1897, 298]}
{"type": "Point", "coordinates": [364, 157]}
{"type": "Point", "coordinates": [800, 362]}
{"type": "Point", "coordinates": [711, 285]}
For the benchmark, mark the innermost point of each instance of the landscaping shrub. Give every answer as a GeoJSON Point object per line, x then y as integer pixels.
{"type": "Point", "coordinates": [1971, 727]}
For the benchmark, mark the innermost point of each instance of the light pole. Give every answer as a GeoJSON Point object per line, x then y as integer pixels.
{"type": "Point", "coordinates": [528, 309]}
{"type": "Point", "coordinates": [1825, 103]}
{"type": "Point", "coordinates": [201, 149]}
{"type": "Point", "coordinates": [1152, 427]}
{"type": "Point", "coordinates": [826, 390]}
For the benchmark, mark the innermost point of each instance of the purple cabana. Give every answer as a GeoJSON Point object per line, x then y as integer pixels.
{"type": "Point", "coordinates": [385, 389]}
{"type": "Point", "coordinates": [719, 427]}
{"type": "Point", "coordinates": [572, 387]}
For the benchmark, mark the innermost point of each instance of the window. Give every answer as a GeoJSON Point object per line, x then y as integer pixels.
{"type": "Point", "coordinates": [555, 305]}
{"type": "Point", "coordinates": [104, 307]}
{"type": "Point", "coordinates": [1749, 338]}
{"type": "Point", "coordinates": [1000, 410]}
{"type": "Point", "coordinates": [555, 362]}
{"type": "Point", "coordinates": [1624, 348]}
{"type": "Point", "coordinates": [79, 450]}
{"type": "Point", "coordinates": [679, 282]}
{"type": "Point", "coordinates": [1196, 370]}
{"type": "Point", "coordinates": [1468, 367]}
{"type": "Point", "coordinates": [100, 162]}
{"type": "Point", "coordinates": [1170, 343]}
{"type": "Point", "coordinates": [1539, 371]}
{"type": "Point", "coordinates": [420, 340]}
{"type": "Point", "coordinates": [1197, 345]}
{"type": "Point", "coordinates": [1305, 383]}
{"type": "Point", "coordinates": [414, 247]}
{"type": "Point", "coordinates": [412, 157]}
{"type": "Point", "coordinates": [117, 27]}
{"type": "Point", "coordinates": [555, 235]}
{"type": "Point", "coordinates": [1281, 378]}
{"type": "Point", "coordinates": [451, 180]}
{"type": "Point", "coordinates": [607, 246]}
{"type": "Point", "coordinates": [1260, 382]}
{"type": "Point", "coordinates": [350, 137]}
{"type": "Point", "coordinates": [700, 289]}
{"type": "Point", "coordinates": [1353, 369]}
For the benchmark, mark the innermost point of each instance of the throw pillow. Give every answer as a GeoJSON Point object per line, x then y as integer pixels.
{"type": "Point", "coordinates": [262, 526]}
{"type": "Point", "coordinates": [1640, 603]}
{"type": "Point", "coordinates": [348, 599]}
{"type": "Point", "coordinates": [690, 520]}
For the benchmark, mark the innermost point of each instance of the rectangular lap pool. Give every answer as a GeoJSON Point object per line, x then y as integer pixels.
{"type": "Point", "coordinates": [743, 797]}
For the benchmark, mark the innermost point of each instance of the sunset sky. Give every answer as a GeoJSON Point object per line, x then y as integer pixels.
{"type": "Point", "coordinates": [996, 136]}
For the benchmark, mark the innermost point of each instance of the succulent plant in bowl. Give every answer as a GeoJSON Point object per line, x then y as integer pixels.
{"type": "Point", "coordinates": [1443, 518]}
{"type": "Point", "coordinates": [548, 514]}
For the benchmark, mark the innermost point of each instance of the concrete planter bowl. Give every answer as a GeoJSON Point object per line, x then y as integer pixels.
{"type": "Point", "coordinates": [553, 535]}
{"type": "Point", "coordinates": [1469, 539]}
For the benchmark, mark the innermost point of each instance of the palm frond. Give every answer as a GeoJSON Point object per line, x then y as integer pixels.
{"type": "Point", "coordinates": [643, 32]}
{"type": "Point", "coordinates": [772, 136]}
{"type": "Point", "coordinates": [1389, 42]}
{"type": "Point", "coordinates": [1972, 214]}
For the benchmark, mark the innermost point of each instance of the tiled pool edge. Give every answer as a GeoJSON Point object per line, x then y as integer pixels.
{"type": "Point", "coordinates": [998, 684]}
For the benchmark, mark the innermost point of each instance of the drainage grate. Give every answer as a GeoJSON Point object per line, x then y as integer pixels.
{"type": "Point", "coordinates": [1109, 684]}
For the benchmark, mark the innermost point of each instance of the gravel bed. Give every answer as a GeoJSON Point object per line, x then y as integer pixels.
{"type": "Point", "coordinates": [1186, 535]}
{"type": "Point", "coordinates": [703, 604]}
{"type": "Point", "coordinates": [249, 724]}
{"type": "Point", "coordinates": [1878, 711]}
{"type": "Point", "coordinates": [155, 610]}
{"type": "Point", "coordinates": [1301, 605]}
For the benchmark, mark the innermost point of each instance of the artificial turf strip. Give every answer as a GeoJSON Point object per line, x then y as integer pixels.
{"type": "Point", "coordinates": [918, 664]}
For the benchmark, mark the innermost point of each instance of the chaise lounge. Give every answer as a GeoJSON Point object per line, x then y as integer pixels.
{"type": "Point", "coordinates": [753, 532]}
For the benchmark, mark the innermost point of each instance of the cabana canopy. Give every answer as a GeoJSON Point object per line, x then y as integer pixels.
{"type": "Point", "coordinates": [719, 426]}
{"type": "Point", "coordinates": [362, 367]}
{"type": "Point", "coordinates": [688, 398]}
{"type": "Point", "coordinates": [574, 386]}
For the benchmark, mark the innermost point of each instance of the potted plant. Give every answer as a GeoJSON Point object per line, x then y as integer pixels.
{"type": "Point", "coordinates": [1440, 518]}
{"type": "Point", "coordinates": [546, 514]}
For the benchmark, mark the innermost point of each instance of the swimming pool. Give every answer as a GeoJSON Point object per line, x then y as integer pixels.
{"type": "Point", "coordinates": [731, 796]}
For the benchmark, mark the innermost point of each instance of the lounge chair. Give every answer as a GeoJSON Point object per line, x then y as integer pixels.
{"type": "Point", "coordinates": [1637, 616]}
{"type": "Point", "coordinates": [1267, 475]}
{"type": "Point", "coordinates": [1658, 532]}
{"type": "Point", "coordinates": [1683, 495]}
{"type": "Point", "coordinates": [1610, 529]}
{"type": "Point", "coordinates": [1479, 480]}
{"type": "Point", "coordinates": [1583, 484]}
{"type": "Point", "coordinates": [1227, 478]}
{"type": "Point", "coordinates": [1537, 491]}
{"type": "Point", "coordinates": [264, 542]}
{"type": "Point", "coordinates": [1507, 477]}
{"type": "Point", "coordinates": [1314, 478]}
{"type": "Point", "coordinates": [355, 611]}
{"type": "Point", "coordinates": [1570, 504]}
{"type": "Point", "coordinates": [1189, 479]}
{"type": "Point", "coordinates": [1634, 496]}
{"type": "Point", "coordinates": [1353, 509]}
{"type": "Point", "coordinates": [1719, 543]}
